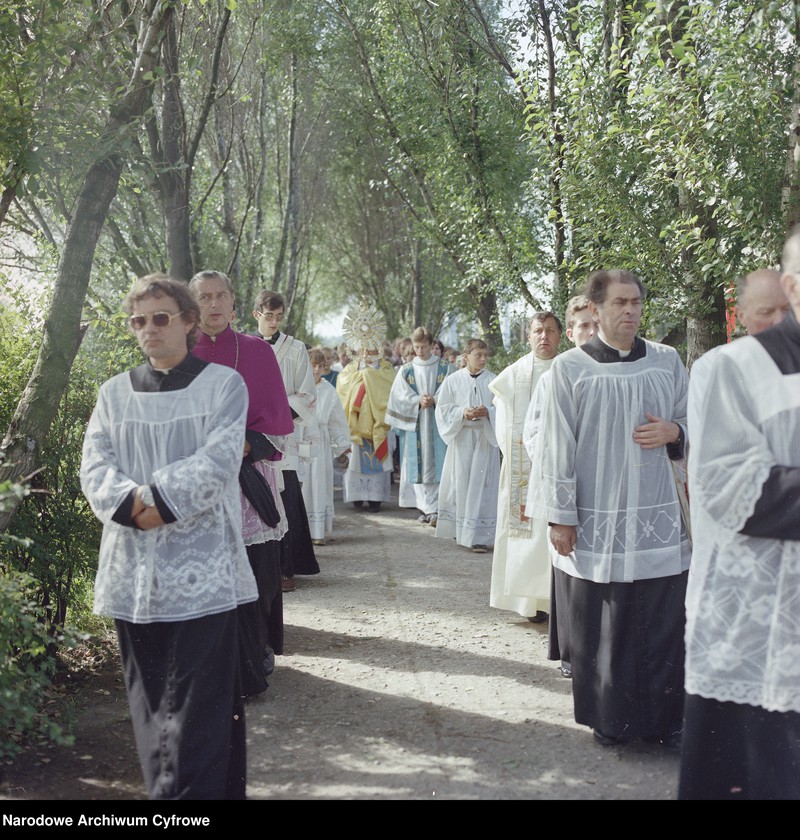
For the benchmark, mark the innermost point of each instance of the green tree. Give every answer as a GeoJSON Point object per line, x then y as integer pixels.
{"type": "Point", "coordinates": [447, 124]}
{"type": "Point", "coordinates": [22, 444]}
{"type": "Point", "coordinates": [673, 146]}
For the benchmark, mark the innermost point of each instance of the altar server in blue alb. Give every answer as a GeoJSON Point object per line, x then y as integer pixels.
{"type": "Point", "coordinates": [411, 411]}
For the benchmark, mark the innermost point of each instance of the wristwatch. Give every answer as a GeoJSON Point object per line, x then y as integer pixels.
{"type": "Point", "coordinates": [146, 495]}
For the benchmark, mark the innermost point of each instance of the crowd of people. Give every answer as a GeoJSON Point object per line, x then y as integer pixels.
{"type": "Point", "coordinates": [649, 516]}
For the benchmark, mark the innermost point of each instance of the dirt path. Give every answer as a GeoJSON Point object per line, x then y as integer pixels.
{"type": "Point", "coordinates": [399, 682]}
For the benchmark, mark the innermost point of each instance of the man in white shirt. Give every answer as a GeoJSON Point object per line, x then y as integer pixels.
{"type": "Point", "coordinates": [343, 352]}
{"type": "Point", "coordinates": [580, 328]}
{"type": "Point", "coordinates": [269, 420]}
{"type": "Point", "coordinates": [471, 471]}
{"type": "Point", "coordinates": [742, 714]}
{"type": "Point", "coordinates": [760, 303]}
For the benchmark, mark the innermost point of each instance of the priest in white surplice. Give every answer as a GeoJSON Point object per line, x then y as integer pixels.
{"type": "Point", "coordinates": [411, 412]}
{"type": "Point", "coordinates": [465, 417]}
{"type": "Point", "coordinates": [521, 563]}
{"type": "Point", "coordinates": [742, 713]}
{"type": "Point", "coordinates": [614, 412]}
{"type": "Point", "coordinates": [297, 551]}
{"type": "Point", "coordinates": [160, 467]}
{"type": "Point", "coordinates": [580, 327]}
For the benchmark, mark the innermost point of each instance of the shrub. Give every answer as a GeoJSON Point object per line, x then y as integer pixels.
{"type": "Point", "coordinates": [26, 668]}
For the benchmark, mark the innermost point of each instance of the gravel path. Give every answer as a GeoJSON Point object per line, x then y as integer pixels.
{"type": "Point", "coordinates": [398, 682]}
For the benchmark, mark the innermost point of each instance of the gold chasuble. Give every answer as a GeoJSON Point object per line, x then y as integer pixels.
{"type": "Point", "coordinates": [364, 394]}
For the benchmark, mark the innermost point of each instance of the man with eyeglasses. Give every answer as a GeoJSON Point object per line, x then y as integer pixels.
{"type": "Point", "coordinates": [160, 470]}
{"type": "Point", "coordinates": [297, 550]}
{"type": "Point", "coordinates": [269, 420]}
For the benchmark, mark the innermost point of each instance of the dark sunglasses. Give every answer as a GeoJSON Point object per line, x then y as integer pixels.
{"type": "Point", "coordinates": [160, 319]}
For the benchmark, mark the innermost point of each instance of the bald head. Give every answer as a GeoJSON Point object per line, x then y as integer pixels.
{"type": "Point", "coordinates": [760, 300]}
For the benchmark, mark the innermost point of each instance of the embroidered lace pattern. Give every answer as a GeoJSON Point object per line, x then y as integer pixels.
{"type": "Point", "coordinates": [189, 443]}
{"type": "Point", "coordinates": [621, 497]}
{"type": "Point", "coordinates": [743, 598]}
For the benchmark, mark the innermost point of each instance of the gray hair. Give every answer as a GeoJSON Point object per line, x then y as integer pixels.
{"type": "Point", "coordinates": [211, 274]}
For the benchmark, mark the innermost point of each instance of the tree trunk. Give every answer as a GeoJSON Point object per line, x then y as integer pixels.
{"type": "Point", "coordinates": [176, 175]}
{"type": "Point", "coordinates": [228, 204]}
{"type": "Point", "coordinates": [294, 260]}
{"type": "Point", "coordinates": [416, 300]}
{"type": "Point", "coordinates": [258, 231]}
{"type": "Point", "coordinates": [487, 318]}
{"type": "Point", "coordinates": [703, 333]}
{"type": "Point", "coordinates": [790, 190]}
{"type": "Point", "coordinates": [20, 452]}
{"type": "Point", "coordinates": [706, 319]}
{"type": "Point", "coordinates": [8, 196]}
{"type": "Point", "coordinates": [557, 165]}
{"type": "Point", "coordinates": [177, 151]}
{"type": "Point", "coordinates": [289, 214]}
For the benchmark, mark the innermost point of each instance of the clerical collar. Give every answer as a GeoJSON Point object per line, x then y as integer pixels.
{"type": "Point", "coordinates": [474, 375]}
{"type": "Point", "coordinates": [622, 353]}
{"type": "Point", "coordinates": [274, 338]}
{"type": "Point", "coordinates": [600, 351]}
{"type": "Point", "coordinates": [432, 360]}
{"type": "Point", "coordinates": [147, 378]}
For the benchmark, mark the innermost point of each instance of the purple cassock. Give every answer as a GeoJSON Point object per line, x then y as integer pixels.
{"type": "Point", "coordinates": [264, 521]}
{"type": "Point", "coordinates": [254, 359]}
{"type": "Point", "coordinates": [268, 413]}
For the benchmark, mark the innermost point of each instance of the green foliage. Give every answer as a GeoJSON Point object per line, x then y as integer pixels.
{"type": "Point", "coordinates": [673, 141]}
{"type": "Point", "coordinates": [52, 89]}
{"type": "Point", "coordinates": [502, 358]}
{"type": "Point", "coordinates": [457, 123]}
{"type": "Point", "coordinates": [48, 563]}
{"type": "Point", "coordinates": [26, 664]}
{"type": "Point", "coordinates": [62, 531]}
{"type": "Point", "coordinates": [57, 534]}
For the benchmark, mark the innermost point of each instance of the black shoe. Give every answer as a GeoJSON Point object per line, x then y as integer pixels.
{"type": "Point", "coordinates": [358, 505]}
{"type": "Point", "coordinates": [671, 743]}
{"type": "Point", "coordinates": [609, 740]}
{"type": "Point", "coordinates": [374, 507]}
{"type": "Point", "coordinates": [566, 670]}
{"type": "Point", "coordinates": [539, 618]}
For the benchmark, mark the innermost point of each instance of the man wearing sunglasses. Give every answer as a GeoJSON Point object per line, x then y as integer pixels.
{"type": "Point", "coordinates": [160, 470]}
